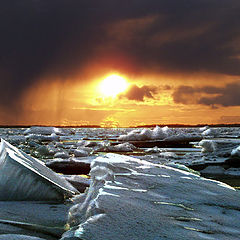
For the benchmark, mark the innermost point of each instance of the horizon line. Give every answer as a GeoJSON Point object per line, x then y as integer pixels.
{"type": "Point", "coordinates": [176, 125]}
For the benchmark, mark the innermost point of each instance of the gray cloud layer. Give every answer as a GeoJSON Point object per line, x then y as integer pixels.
{"type": "Point", "coordinates": [59, 37]}
{"type": "Point", "coordinates": [225, 96]}
{"type": "Point", "coordinates": [139, 93]}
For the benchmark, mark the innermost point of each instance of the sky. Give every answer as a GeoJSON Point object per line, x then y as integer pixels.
{"type": "Point", "coordinates": [180, 60]}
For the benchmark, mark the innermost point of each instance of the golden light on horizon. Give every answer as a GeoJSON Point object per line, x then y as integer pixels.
{"type": "Point", "coordinates": [112, 85]}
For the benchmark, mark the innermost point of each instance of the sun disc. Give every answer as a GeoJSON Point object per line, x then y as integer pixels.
{"type": "Point", "coordinates": [112, 85]}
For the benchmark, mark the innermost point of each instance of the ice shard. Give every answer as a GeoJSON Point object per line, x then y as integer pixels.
{"type": "Point", "coordinates": [23, 177]}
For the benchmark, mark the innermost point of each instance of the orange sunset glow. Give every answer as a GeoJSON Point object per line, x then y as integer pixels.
{"type": "Point", "coordinates": [122, 101]}
{"type": "Point", "coordinates": [148, 63]}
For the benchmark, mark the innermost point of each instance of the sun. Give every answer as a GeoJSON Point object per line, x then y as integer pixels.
{"type": "Point", "coordinates": [112, 85]}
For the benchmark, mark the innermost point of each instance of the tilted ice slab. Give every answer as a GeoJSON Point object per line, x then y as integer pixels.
{"type": "Point", "coordinates": [23, 177]}
{"type": "Point", "coordinates": [130, 199]}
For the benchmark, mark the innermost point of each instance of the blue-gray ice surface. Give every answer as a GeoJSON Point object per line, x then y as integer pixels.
{"type": "Point", "coordinates": [26, 220]}
{"type": "Point", "coordinates": [23, 177]}
{"type": "Point", "coordinates": [131, 199]}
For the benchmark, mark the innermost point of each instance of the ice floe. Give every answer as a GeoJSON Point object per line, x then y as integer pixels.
{"type": "Point", "coordinates": [146, 134]}
{"type": "Point", "coordinates": [208, 145]}
{"type": "Point", "coordinates": [164, 133]}
{"type": "Point", "coordinates": [48, 131]}
{"type": "Point", "coordinates": [122, 147]}
{"type": "Point", "coordinates": [236, 152]}
{"type": "Point", "coordinates": [135, 199]}
{"type": "Point", "coordinates": [210, 132]}
{"type": "Point", "coordinates": [202, 129]}
{"type": "Point", "coordinates": [62, 154]}
{"type": "Point", "coordinates": [39, 137]}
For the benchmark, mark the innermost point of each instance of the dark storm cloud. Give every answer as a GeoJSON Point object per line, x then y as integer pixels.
{"type": "Point", "coordinates": [58, 38]}
{"type": "Point", "coordinates": [139, 93]}
{"type": "Point", "coordinates": [225, 96]}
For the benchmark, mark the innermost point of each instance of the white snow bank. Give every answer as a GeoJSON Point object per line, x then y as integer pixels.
{"type": "Point", "coordinates": [221, 146]}
{"type": "Point", "coordinates": [164, 133]}
{"type": "Point", "coordinates": [208, 145]}
{"type": "Point", "coordinates": [130, 199]}
{"type": "Point", "coordinates": [39, 137]}
{"type": "Point", "coordinates": [23, 177]}
{"type": "Point", "coordinates": [122, 147]}
{"type": "Point", "coordinates": [236, 152]}
{"type": "Point", "coordinates": [210, 132]}
{"type": "Point", "coordinates": [48, 131]}
{"type": "Point", "coordinates": [202, 129]}
{"type": "Point", "coordinates": [91, 146]}
{"type": "Point", "coordinates": [146, 134]}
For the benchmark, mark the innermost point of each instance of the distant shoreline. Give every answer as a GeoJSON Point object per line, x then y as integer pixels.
{"type": "Point", "coordinates": [139, 126]}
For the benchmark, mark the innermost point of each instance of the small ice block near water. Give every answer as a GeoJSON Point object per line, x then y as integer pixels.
{"type": "Point", "coordinates": [23, 177]}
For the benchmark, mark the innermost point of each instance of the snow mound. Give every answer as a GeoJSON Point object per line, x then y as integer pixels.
{"type": "Point", "coordinates": [47, 131]}
{"type": "Point", "coordinates": [208, 145]}
{"type": "Point", "coordinates": [40, 137]}
{"type": "Point", "coordinates": [236, 152]}
{"type": "Point", "coordinates": [131, 199]}
{"type": "Point", "coordinates": [164, 133]}
{"type": "Point", "coordinates": [202, 129]}
{"type": "Point", "coordinates": [146, 134]}
{"type": "Point", "coordinates": [210, 132]}
{"type": "Point", "coordinates": [122, 147]}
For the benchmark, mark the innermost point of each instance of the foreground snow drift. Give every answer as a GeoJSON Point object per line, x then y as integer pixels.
{"type": "Point", "coordinates": [134, 199]}
{"type": "Point", "coordinates": [23, 177]}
